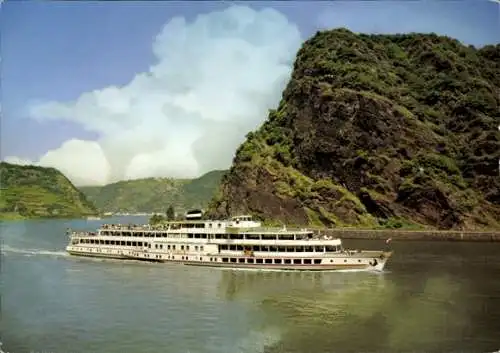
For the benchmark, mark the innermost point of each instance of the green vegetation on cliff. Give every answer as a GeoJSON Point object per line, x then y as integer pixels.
{"type": "Point", "coordinates": [155, 194]}
{"type": "Point", "coordinates": [376, 131]}
{"type": "Point", "coordinates": [37, 192]}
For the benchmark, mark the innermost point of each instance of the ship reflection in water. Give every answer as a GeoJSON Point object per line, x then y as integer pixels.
{"type": "Point", "coordinates": [348, 312]}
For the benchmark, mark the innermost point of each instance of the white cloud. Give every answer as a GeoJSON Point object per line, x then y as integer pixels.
{"type": "Point", "coordinates": [16, 160]}
{"type": "Point", "coordinates": [213, 81]}
{"type": "Point", "coordinates": [83, 162]}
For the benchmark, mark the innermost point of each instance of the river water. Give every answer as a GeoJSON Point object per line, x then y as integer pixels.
{"type": "Point", "coordinates": [432, 297]}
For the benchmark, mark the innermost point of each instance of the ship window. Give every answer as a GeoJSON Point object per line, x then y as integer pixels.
{"type": "Point", "coordinates": [187, 247]}
{"type": "Point", "coordinates": [182, 247]}
{"type": "Point", "coordinates": [173, 247]}
{"type": "Point", "coordinates": [218, 225]}
{"type": "Point", "coordinates": [290, 249]}
{"type": "Point", "coordinates": [250, 261]}
{"type": "Point", "coordinates": [134, 243]}
{"type": "Point", "coordinates": [241, 259]}
{"type": "Point", "coordinates": [269, 261]}
{"type": "Point", "coordinates": [156, 246]}
{"type": "Point", "coordinates": [129, 243]}
{"type": "Point", "coordinates": [223, 247]}
{"type": "Point", "coordinates": [264, 248]}
{"type": "Point", "coordinates": [288, 261]}
{"type": "Point", "coordinates": [196, 247]}
{"type": "Point", "coordinates": [201, 247]}
{"type": "Point", "coordinates": [204, 236]}
{"type": "Point", "coordinates": [268, 237]}
{"type": "Point", "coordinates": [161, 246]}
{"type": "Point", "coordinates": [319, 248]}
{"type": "Point", "coordinates": [297, 261]}
{"type": "Point", "coordinates": [225, 259]}
{"type": "Point", "coordinates": [139, 243]}
{"type": "Point", "coordinates": [252, 236]}
{"type": "Point", "coordinates": [277, 261]}
{"type": "Point", "coordinates": [259, 261]}
{"type": "Point", "coordinates": [307, 261]}
{"type": "Point", "coordinates": [285, 236]}
{"type": "Point", "coordinates": [191, 236]}
{"type": "Point", "coordinates": [273, 248]}
{"type": "Point", "coordinates": [256, 248]}
{"type": "Point", "coordinates": [233, 259]}
{"type": "Point", "coordinates": [299, 249]}
{"type": "Point", "coordinates": [330, 248]}
{"type": "Point", "coordinates": [281, 249]}
{"type": "Point", "coordinates": [232, 247]}
{"type": "Point", "coordinates": [168, 247]}
{"type": "Point", "coordinates": [239, 247]}
{"type": "Point", "coordinates": [107, 242]}
{"type": "Point", "coordinates": [218, 236]}
{"type": "Point", "coordinates": [123, 243]}
{"type": "Point", "coordinates": [196, 236]}
{"type": "Point", "coordinates": [308, 249]}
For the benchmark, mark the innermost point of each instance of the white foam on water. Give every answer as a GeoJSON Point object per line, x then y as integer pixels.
{"type": "Point", "coordinates": [33, 252]}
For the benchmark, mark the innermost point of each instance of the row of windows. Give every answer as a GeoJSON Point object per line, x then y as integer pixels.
{"type": "Point", "coordinates": [250, 260]}
{"type": "Point", "coordinates": [136, 243]}
{"type": "Point", "coordinates": [182, 247]}
{"type": "Point", "coordinates": [112, 242]}
{"type": "Point", "coordinates": [211, 236]}
{"type": "Point", "coordinates": [280, 248]}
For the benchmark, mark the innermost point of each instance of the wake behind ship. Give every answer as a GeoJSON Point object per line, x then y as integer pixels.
{"type": "Point", "coordinates": [239, 242]}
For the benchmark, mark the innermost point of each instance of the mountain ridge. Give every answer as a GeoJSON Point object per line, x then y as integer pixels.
{"type": "Point", "coordinates": [154, 194]}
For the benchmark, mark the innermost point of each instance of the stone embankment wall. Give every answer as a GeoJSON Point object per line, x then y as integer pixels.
{"type": "Point", "coordinates": [491, 236]}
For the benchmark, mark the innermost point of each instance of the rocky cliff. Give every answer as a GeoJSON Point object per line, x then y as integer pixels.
{"type": "Point", "coordinates": [37, 192]}
{"type": "Point", "coordinates": [376, 131]}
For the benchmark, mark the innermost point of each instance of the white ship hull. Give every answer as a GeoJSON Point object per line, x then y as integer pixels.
{"type": "Point", "coordinates": [365, 260]}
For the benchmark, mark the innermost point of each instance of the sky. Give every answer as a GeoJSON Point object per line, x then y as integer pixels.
{"type": "Point", "coordinates": [107, 91]}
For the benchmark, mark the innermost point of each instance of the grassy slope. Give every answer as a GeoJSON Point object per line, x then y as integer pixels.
{"type": "Point", "coordinates": [32, 192]}
{"type": "Point", "coordinates": [154, 194]}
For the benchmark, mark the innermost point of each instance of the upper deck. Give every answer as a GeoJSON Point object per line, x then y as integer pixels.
{"type": "Point", "coordinates": [237, 224]}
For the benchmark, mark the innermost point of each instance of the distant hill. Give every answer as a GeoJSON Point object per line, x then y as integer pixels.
{"type": "Point", "coordinates": [376, 130]}
{"type": "Point", "coordinates": [154, 194]}
{"type": "Point", "coordinates": [37, 192]}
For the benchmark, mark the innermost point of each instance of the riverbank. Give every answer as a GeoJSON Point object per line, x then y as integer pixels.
{"type": "Point", "coordinates": [408, 235]}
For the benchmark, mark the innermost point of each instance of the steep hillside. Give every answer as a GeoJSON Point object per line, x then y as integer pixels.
{"type": "Point", "coordinates": [376, 130]}
{"type": "Point", "coordinates": [32, 192]}
{"type": "Point", "coordinates": [154, 194]}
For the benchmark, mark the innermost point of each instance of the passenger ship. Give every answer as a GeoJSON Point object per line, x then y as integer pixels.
{"type": "Point", "coordinates": [239, 242]}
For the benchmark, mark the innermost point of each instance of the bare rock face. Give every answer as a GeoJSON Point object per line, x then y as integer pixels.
{"type": "Point", "coordinates": [390, 131]}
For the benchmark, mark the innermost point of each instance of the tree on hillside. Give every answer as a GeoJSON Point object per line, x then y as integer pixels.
{"type": "Point", "coordinates": [170, 213]}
